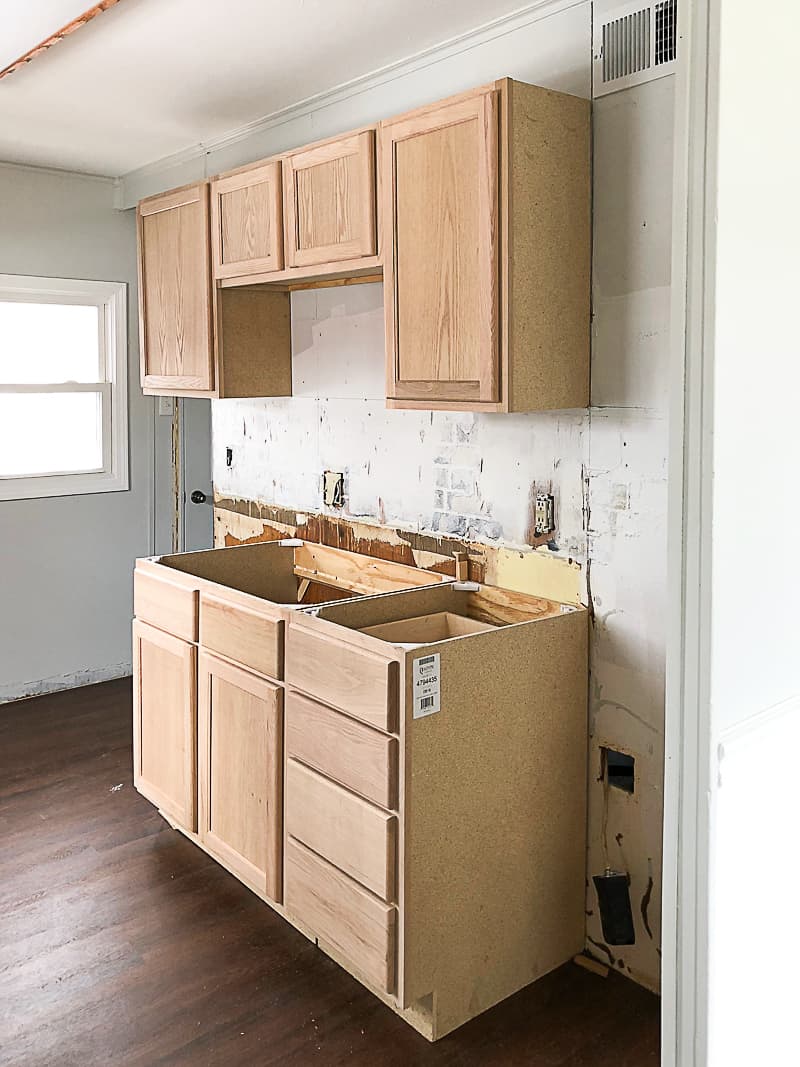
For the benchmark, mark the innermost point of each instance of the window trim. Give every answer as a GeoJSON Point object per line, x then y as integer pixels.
{"type": "Point", "coordinates": [111, 299]}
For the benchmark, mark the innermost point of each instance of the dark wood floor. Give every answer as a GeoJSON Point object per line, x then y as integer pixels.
{"type": "Point", "coordinates": [122, 943]}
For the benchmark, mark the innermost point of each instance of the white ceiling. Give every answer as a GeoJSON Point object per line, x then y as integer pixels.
{"type": "Point", "coordinates": [152, 77]}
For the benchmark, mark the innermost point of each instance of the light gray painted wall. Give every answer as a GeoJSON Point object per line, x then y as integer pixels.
{"type": "Point", "coordinates": [65, 562]}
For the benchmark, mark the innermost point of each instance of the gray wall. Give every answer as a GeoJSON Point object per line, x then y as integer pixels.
{"type": "Point", "coordinates": [65, 562]}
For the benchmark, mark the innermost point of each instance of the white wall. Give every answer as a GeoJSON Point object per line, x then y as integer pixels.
{"type": "Point", "coordinates": [754, 237]}
{"type": "Point", "coordinates": [65, 562]}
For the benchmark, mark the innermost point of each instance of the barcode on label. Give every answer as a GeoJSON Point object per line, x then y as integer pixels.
{"type": "Point", "coordinates": [427, 685]}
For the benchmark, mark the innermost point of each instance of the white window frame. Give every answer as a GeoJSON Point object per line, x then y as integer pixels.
{"type": "Point", "coordinates": [111, 300]}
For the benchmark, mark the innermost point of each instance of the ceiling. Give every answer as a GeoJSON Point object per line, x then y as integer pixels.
{"type": "Point", "coordinates": [149, 78]}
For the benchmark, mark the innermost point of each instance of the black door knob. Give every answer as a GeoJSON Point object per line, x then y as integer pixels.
{"type": "Point", "coordinates": [198, 497]}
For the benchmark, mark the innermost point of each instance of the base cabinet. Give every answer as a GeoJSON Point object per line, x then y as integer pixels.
{"type": "Point", "coordinates": [240, 746]}
{"type": "Point", "coordinates": [164, 726]}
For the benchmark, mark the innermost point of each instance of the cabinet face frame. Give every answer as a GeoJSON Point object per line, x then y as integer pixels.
{"type": "Point", "coordinates": [266, 179]}
{"type": "Point", "coordinates": [267, 879]}
{"type": "Point", "coordinates": [182, 809]}
{"type": "Point", "coordinates": [203, 383]}
{"type": "Point", "coordinates": [361, 148]}
{"type": "Point", "coordinates": [483, 109]}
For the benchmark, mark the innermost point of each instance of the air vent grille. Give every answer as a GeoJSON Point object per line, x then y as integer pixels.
{"type": "Point", "coordinates": [626, 45]}
{"type": "Point", "coordinates": [666, 31]}
{"type": "Point", "coordinates": [633, 43]}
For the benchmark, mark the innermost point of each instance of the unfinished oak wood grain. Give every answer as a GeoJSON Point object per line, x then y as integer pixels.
{"type": "Point", "coordinates": [240, 757]}
{"type": "Point", "coordinates": [169, 605]}
{"type": "Point", "coordinates": [247, 221]}
{"type": "Point", "coordinates": [339, 910]}
{"type": "Point", "coordinates": [352, 834]}
{"type": "Point", "coordinates": [329, 201]}
{"type": "Point", "coordinates": [175, 305]}
{"type": "Point", "coordinates": [252, 637]}
{"type": "Point", "coordinates": [165, 722]}
{"type": "Point", "coordinates": [358, 757]}
{"type": "Point", "coordinates": [354, 680]}
{"type": "Point", "coordinates": [440, 218]}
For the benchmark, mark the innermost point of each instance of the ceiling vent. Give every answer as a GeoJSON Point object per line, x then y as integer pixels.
{"type": "Point", "coordinates": [633, 43]}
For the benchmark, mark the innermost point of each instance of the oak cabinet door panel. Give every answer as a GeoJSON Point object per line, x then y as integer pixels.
{"type": "Point", "coordinates": [165, 722]}
{"type": "Point", "coordinates": [240, 749]}
{"type": "Point", "coordinates": [175, 291]}
{"type": "Point", "coordinates": [247, 224]}
{"type": "Point", "coordinates": [441, 210]}
{"type": "Point", "coordinates": [329, 196]}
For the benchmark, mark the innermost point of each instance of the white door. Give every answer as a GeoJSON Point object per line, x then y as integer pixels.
{"type": "Point", "coordinates": [197, 494]}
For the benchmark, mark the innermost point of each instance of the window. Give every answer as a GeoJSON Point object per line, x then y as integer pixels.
{"type": "Point", "coordinates": [63, 387]}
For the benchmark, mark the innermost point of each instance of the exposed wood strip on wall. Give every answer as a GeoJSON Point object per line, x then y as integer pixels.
{"type": "Point", "coordinates": [59, 35]}
{"type": "Point", "coordinates": [238, 521]}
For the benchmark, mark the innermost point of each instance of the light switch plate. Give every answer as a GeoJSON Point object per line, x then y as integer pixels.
{"type": "Point", "coordinates": [166, 405]}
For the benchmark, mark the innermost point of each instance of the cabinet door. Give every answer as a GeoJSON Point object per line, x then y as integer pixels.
{"type": "Point", "coordinates": [439, 180]}
{"type": "Point", "coordinates": [247, 222]}
{"type": "Point", "coordinates": [165, 722]}
{"type": "Point", "coordinates": [329, 201]}
{"type": "Point", "coordinates": [241, 769]}
{"type": "Point", "coordinates": [175, 305]}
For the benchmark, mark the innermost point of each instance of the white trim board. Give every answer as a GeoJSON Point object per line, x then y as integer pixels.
{"type": "Point", "coordinates": [688, 759]}
{"type": "Point", "coordinates": [230, 149]}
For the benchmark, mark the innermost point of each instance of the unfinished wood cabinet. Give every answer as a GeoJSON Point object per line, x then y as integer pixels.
{"type": "Point", "coordinates": [490, 812]}
{"type": "Point", "coordinates": [198, 340]}
{"type": "Point", "coordinates": [329, 201]}
{"type": "Point", "coordinates": [486, 219]}
{"type": "Point", "coordinates": [247, 221]}
{"type": "Point", "coordinates": [175, 300]}
{"type": "Point", "coordinates": [164, 722]}
{"type": "Point", "coordinates": [240, 756]}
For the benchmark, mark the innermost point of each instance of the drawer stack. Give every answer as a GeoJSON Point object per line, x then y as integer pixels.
{"type": "Point", "coordinates": [341, 800]}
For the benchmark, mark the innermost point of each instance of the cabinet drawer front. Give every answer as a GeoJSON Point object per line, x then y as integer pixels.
{"type": "Point", "coordinates": [357, 756]}
{"type": "Point", "coordinates": [361, 683]}
{"type": "Point", "coordinates": [353, 834]}
{"type": "Point", "coordinates": [249, 637]}
{"type": "Point", "coordinates": [165, 604]}
{"type": "Point", "coordinates": [329, 195]}
{"type": "Point", "coordinates": [343, 914]}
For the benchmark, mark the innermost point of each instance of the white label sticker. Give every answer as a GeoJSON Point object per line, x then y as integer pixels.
{"type": "Point", "coordinates": [427, 685]}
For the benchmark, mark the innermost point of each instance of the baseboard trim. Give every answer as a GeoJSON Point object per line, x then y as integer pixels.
{"type": "Point", "coordinates": [74, 680]}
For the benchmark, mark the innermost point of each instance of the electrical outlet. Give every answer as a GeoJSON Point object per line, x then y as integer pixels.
{"type": "Point", "coordinates": [544, 518]}
{"type": "Point", "coordinates": [333, 489]}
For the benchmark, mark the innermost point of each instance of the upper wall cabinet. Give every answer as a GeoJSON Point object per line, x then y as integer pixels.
{"type": "Point", "coordinates": [247, 222]}
{"type": "Point", "coordinates": [198, 340]}
{"type": "Point", "coordinates": [486, 218]}
{"type": "Point", "coordinates": [175, 292]}
{"type": "Point", "coordinates": [329, 201]}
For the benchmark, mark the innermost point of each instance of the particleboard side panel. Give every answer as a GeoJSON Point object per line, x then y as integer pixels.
{"type": "Point", "coordinates": [495, 817]}
{"type": "Point", "coordinates": [254, 343]}
{"type": "Point", "coordinates": [264, 569]}
{"type": "Point", "coordinates": [549, 236]}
